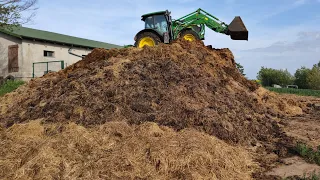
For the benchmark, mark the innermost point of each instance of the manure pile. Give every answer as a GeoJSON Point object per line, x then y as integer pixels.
{"type": "Point", "coordinates": [202, 113]}
{"type": "Point", "coordinates": [117, 150]}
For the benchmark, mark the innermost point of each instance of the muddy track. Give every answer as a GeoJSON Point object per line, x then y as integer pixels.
{"type": "Point", "coordinates": [305, 128]}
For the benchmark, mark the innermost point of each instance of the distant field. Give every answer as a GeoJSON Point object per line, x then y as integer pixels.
{"type": "Point", "coordinates": [9, 86]}
{"type": "Point", "coordinates": [302, 92]}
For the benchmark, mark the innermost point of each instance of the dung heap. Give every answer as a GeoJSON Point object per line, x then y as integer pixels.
{"type": "Point", "coordinates": [179, 86]}
{"type": "Point", "coordinates": [117, 150]}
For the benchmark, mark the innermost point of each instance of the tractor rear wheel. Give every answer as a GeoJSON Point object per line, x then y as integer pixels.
{"type": "Point", "coordinates": [189, 35]}
{"type": "Point", "coordinates": [147, 39]}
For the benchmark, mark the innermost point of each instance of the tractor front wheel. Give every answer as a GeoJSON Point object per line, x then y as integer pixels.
{"type": "Point", "coordinates": [147, 39]}
{"type": "Point", "coordinates": [189, 35]}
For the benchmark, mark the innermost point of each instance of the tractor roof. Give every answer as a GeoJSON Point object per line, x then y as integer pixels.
{"type": "Point", "coordinates": [152, 14]}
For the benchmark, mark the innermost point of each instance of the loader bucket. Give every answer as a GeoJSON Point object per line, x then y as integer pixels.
{"type": "Point", "coordinates": [237, 30]}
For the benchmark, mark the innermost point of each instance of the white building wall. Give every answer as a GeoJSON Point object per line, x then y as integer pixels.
{"type": "Point", "coordinates": [5, 41]}
{"type": "Point", "coordinates": [33, 51]}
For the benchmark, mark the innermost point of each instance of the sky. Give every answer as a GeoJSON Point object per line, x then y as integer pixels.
{"type": "Point", "coordinates": [283, 34]}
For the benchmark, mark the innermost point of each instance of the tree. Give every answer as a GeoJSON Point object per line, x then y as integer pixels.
{"type": "Point", "coordinates": [308, 78]}
{"type": "Point", "coordinates": [301, 77]}
{"type": "Point", "coordinates": [240, 68]}
{"type": "Point", "coordinates": [269, 76]}
{"type": "Point", "coordinates": [313, 77]}
{"type": "Point", "coordinates": [11, 12]}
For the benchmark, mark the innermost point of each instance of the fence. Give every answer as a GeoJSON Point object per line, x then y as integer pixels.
{"type": "Point", "coordinates": [41, 68]}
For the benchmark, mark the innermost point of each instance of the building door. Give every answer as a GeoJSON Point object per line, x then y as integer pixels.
{"type": "Point", "coordinates": [13, 65]}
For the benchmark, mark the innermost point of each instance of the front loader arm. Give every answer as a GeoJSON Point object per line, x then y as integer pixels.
{"type": "Point", "coordinates": [201, 17]}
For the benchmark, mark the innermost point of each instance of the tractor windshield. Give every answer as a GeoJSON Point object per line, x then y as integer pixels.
{"type": "Point", "coordinates": [157, 22]}
{"type": "Point", "coordinates": [160, 23]}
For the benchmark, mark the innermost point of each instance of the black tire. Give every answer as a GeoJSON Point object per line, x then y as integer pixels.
{"type": "Point", "coordinates": [189, 31]}
{"type": "Point", "coordinates": [151, 35]}
{"type": "Point", "coordinates": [1, 80]}
{"type": "Point", "coordinates": [9, 78]}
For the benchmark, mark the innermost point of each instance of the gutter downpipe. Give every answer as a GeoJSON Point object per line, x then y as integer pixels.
{"type": "Point", "coordinates": [69, 51]}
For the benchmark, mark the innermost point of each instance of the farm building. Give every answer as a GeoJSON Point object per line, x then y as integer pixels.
{"type": "Point", "coordinates": [26, 53]}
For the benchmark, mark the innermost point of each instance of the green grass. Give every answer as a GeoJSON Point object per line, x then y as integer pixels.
{"type": "Point", "coordinates": [308, 153]}
{"type": "Point", "coordinates": [312, 176]}
{"type": "Point", "coordinates": [311, 156]}
{"type": "Point", "coordinates": [10, 86]}
{"type": "Point", "coordinates": [301, 92]}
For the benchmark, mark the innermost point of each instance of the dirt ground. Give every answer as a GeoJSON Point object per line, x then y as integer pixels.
{"type": "Point", "coordinates": [305, 129]}
{"type": "Point", "coordinates": [302, 128]}
{"type": "Point", "coordinates": [294, 166]}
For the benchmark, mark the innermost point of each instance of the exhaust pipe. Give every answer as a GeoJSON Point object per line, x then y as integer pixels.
{"type": "Point", "coordinates": [237, 30]}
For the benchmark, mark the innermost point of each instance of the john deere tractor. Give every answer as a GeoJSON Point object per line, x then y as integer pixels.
{"type": "Point", "coordinates": [160, 28]}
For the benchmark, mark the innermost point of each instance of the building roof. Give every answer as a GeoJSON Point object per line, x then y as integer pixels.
{"type": "Point", "coordinates": [29, 33]}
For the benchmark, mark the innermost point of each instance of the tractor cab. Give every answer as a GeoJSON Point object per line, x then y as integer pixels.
{"type": "Point", "coordinates": [157, 29]}
{"type": "Point", "coordinates": [158, 21]}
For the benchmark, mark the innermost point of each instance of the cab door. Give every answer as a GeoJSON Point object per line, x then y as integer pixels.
{"type": "Point", "coordinates": [161, 26]}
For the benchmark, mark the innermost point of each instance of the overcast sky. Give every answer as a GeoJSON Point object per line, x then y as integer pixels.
{"type": "Point", "coordinates": [282, 33]}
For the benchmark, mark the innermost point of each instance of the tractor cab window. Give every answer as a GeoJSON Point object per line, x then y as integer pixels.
{"type": "Point", "coordinates": [149, 23]}
{"type": "Point", "coordinates": [161, 24]}
{"type": "Point", "coordinates": [157, 22]}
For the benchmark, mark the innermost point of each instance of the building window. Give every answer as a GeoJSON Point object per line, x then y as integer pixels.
{"type": "Point", "coordinates": [48, 53]}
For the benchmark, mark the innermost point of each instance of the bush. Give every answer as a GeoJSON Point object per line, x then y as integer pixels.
{"type": "Point", "coordinates": [308, 153]}
{"type": "Point", "coordinates": [308, 78]}
{"type": "Point", "coordinates": [304, 78]}
{"type": "Point", "coordinates": [313, 78]}
{"type": "Point", "coordinates": [10, 86]}
{"type": "Point", "coordinates": [269, 76]}
{"type": "Point", "coordinates": [301, 78]}
{"type": "Point", "coordinates": [240, 68]}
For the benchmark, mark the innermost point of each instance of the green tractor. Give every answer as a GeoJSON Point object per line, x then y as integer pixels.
{"type": "Point", "coordinates": [160, 28]}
